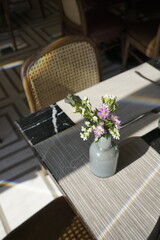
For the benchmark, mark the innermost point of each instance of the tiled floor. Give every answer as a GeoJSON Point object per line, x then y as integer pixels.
{"type": "Point", "coordinates": [22, 198]}
{"type": "Point", "coordinates": [23, 190]}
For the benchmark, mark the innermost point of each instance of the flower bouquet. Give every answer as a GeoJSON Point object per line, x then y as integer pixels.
{"type": "Point", "coordinates": [102, 121]}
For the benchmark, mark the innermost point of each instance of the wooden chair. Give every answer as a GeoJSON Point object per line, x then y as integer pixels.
{"type": "Point", "coordinates": [145, 37]}
{"type": "Point", "coordinates": [98, 24]}
{"type": "Point", "coordinates": [5, 6]}
{"type": "Point", "coordinates": [67, 65]}
{"type": "Point", "coordinates": [56, 221]}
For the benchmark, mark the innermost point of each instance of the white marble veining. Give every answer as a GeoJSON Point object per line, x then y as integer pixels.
{"type": "Point", "coordinates": [54, 118]}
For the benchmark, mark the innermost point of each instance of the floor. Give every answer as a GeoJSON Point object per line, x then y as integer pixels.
{"type": "Point", "coordinates": [23, 190]}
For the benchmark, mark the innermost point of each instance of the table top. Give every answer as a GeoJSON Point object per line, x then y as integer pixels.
{"type": "Point", "coordinates": [126, 205]}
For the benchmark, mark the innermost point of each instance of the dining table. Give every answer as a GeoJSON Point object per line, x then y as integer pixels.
{"type": "Point", "coordinates": [127, 204]}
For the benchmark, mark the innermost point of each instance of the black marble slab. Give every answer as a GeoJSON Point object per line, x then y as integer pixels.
{"type": "Point", "coordinates": [43, 124]}
{"type": "Point", "coordinates": [153, 139]}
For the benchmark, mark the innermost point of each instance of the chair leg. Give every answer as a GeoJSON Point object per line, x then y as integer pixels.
{"type": "Point", "coordinates": [9, 22]}
{"type": "Point", "coordinates": [30, 4]}
{"type": "Point", "coordinates": [55, 193]}
{"type": "Point", "coordinates": [125, 54]}
{"type": "Point", "coordinates": [4, 221]}
{"type": "Point", "coordinates": [63, 29]}
{"type": "Point", "coordinates": [43, 170]}
{"type": "Point", "coordinates": [42, 8]}
{"type": "Point", "coordinates": [123, 37]}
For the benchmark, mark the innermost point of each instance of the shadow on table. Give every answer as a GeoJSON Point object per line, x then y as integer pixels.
{"type": "Point", "coordinates": [135, 147]}
{"type": "Point", "coordinates": [153, 139]}
{"type": "Point", "coordinates": [131, 150]}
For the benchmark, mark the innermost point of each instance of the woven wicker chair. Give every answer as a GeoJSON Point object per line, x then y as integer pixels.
{"type": "Point", "coordinates": [145, 37]}
{"type": "Point", "coordinates": [56, 221]}
{"type": "Point", "coordinates": [98, 24]}
{"type": "Point", "coordinates": [68, 65]}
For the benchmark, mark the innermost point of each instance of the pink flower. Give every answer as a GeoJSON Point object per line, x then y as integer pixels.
{"type": "Point", "coordinates": [103, 111]}
{"type": "Point", "coordinates": [116, 120]}
{"type": "Point", "coordinates": [99, 131]}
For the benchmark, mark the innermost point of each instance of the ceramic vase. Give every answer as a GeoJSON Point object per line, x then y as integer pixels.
{"type": "Point", "coordinates": [103, 156]}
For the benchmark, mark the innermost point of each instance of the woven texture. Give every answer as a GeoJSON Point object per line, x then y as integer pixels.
{"type": "Point", "coordinates": [76, 231]}
{"type": "Point", "coordinates": [68, 69]}
{"type": "Point", "coordinates": [124, 206]}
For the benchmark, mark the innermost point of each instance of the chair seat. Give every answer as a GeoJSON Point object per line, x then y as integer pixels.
{"type": "Point", "coordinates": [103, 25]}
{"type": "Point", "coordinates": [144, 37]}
{"type": "Point", "coordinates": [144, 33]}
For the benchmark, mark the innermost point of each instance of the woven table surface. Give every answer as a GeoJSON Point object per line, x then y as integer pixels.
{"type": "Point", "coordinates": [124, 206]}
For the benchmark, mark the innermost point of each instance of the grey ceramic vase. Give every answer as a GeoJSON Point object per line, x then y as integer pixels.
{"type": "Point", "coordinates": [103, 157]}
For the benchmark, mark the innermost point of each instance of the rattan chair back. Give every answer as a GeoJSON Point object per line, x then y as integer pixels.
{"type": "Point", "coordinates": [73, 16]}
{"type": "Point", "coordinates": [71, 11]}
{"type": "Point", "coordinates": [68, 65]}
